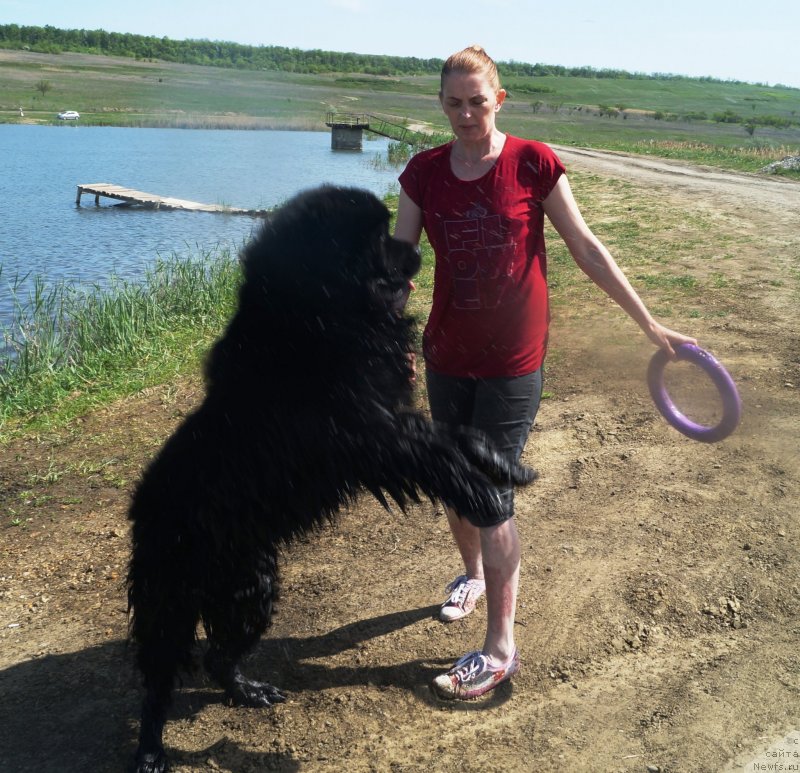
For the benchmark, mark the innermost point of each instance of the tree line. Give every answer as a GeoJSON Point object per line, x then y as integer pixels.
{"type": "Point", "coordinates": [52, 40]}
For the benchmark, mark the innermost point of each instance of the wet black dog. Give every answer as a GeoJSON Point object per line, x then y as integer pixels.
{"type": "Point", "coordinates": [307, 405]}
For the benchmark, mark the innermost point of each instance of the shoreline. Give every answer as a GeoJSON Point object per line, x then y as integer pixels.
{"type": "Point", "coordinates": [194, 123]}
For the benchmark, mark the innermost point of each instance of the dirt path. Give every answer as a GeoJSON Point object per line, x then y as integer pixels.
{"type": "Point", "coordinates": [658, 618]}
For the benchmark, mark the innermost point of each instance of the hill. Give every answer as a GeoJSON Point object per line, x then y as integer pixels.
{"type": "Point", "coordinates": [216, 53]}
{"type": "Point", "coordinates": [130, 80]}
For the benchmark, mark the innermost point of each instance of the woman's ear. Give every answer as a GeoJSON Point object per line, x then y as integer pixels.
{"type": "Point", "coordinates": [500, 98]}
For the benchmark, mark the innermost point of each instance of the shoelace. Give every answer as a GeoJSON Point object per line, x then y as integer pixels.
{"type": "Point", "coordinates": [459, 594]}
{"type": "Point", "coordinates": [474, 663]}
{"type": "Point", "coordinates": [459, 590]}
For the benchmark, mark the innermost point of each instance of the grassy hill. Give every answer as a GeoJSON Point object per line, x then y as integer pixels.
{"type": "Point", "coordinates": [732, 124]}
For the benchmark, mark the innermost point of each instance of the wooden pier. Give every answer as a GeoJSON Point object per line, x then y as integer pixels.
{"type": "Point", "coordinates": [154, 201]}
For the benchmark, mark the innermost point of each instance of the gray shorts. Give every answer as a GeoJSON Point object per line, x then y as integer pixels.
{"type": "Point", "coordinates": [503, 408]}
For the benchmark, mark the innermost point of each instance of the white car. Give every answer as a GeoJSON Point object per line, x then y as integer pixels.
{"type": "Point", "coordinates": [68, 115]}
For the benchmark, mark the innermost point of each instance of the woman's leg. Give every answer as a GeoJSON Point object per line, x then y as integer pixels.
{"type": "Point", "coordinates": [501, 557]}
{"type": "Point", "coordinates": [468, 540]}
{"type": "Point", "coordinates": [504, 409]}
{"type": "Point", "coordinates": [451, 402]}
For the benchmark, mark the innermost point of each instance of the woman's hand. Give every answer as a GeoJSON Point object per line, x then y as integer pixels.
{"type": "Point", "coordinates": [667, 339]}
{"type": "Point", "coordinates": [412, 363]}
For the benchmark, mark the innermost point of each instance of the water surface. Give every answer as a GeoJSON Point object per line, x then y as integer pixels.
{"type": "Point", "coordinates": [43, 232]}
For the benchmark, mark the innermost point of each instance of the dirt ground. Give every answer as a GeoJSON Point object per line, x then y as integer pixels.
{"type": "Point", "coordinates": [658, 615]}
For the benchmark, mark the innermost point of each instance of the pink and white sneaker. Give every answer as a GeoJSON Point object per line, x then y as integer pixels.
{"type": "Point", "coordinates": [473, 675]}
{"type": "Point", "coordinates": [464, 595]}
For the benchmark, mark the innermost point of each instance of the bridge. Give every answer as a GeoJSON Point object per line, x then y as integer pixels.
{"type": "Point", "coordinates": [347, 129]}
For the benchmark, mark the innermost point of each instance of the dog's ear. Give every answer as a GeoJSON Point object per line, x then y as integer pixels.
{"type": "Point", "coordinates": [326, 231]}
{"type": "Point", "coordinates": [329, 247]}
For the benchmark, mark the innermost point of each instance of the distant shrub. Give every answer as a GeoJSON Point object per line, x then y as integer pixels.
{"type": "Point", "coordinates": [611, 112]}
{"type": "Point", "coordinates": [728, 116]}
{"type": "Point", "coordinates": [518, 87]}
{"type": "Point", "coordinates": [776, 121]}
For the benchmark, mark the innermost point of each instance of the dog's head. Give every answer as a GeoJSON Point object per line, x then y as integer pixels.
{"type": "Point", "coordinates": [331, 246]}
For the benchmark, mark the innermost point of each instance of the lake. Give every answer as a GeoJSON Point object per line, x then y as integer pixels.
{"type": "Point", "coordinates": [43, 232]}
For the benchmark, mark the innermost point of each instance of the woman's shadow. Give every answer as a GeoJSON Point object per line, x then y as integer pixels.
{"type": "Point", "coordinates": [80, 711]}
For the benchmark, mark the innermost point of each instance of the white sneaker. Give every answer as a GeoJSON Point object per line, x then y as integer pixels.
{"type": "Point", "coordinates": [472, 676]}
{"type": "Point", "coordinates": [464, 595]}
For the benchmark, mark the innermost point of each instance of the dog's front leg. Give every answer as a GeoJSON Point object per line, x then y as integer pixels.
{"type": "Point", "coordinates": [480, 451]}
{"type": "Point", "coordinates": [239, 689]}
{"type": "Point", "coordinates": [409, 454]}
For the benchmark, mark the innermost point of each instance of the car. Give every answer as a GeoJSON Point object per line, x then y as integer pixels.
{"type": "Point", "coordinates": [68, 115]}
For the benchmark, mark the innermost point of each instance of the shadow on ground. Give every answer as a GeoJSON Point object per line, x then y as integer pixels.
{"type": "Point", "coordinates": [79, 711]}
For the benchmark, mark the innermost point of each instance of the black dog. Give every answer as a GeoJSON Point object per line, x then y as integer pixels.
{"type": "Point", "coordinates": [307, 404]}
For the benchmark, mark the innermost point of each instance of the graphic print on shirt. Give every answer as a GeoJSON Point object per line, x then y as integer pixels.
{"type": "Point", "coordinates": [480, 251]}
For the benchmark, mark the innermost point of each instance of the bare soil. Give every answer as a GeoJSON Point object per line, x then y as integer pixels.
{"type": "Point", "coordinates": [658, 615]}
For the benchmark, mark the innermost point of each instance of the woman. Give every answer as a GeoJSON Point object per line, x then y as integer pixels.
{"type": "Point", "coordinates": [482, 199]}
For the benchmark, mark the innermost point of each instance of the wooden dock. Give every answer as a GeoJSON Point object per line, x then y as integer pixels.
{"type": "Point", "coordinates": [154, 201]}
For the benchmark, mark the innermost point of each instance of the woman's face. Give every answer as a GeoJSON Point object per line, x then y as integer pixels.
{"type": "Point", "coordinates": [470, 103]}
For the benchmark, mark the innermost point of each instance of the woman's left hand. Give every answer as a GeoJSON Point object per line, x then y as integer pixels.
{"type": "Point", "coordinates": [667, 339]}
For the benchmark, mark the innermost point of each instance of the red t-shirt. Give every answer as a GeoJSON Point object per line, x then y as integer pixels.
{"type": "Point", "coordinates": [490, 310]}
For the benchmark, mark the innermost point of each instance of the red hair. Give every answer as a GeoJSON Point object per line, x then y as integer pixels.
{"type": "Point", "coordinates": [472, 60]}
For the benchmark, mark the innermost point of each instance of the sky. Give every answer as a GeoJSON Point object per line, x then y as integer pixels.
{"type": "Point", "coordinates": [749, 41]}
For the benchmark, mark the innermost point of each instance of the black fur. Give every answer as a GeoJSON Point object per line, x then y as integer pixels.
{"type": "Point", "coordinates": [307, 404]}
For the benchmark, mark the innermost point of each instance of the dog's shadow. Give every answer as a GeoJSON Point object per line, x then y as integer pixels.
{"type": "Point", "coordinates": [80, 711]}
{"type": "Point", "coordinates": [290, 660]}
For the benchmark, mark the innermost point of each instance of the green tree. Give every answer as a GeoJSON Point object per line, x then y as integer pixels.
{"type": "Point", "coordinates": [43, 86]}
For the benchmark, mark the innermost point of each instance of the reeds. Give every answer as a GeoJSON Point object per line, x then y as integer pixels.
{"type": "Point", "coordinates": [398, 153]}
{"type": "Point", "coordinates": [66, 338]}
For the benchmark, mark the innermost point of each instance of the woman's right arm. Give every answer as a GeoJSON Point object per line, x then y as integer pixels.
{"type": "Point", "coordinates": [408, 228]}
{"type": "Point", "coordinates": [408, 223]}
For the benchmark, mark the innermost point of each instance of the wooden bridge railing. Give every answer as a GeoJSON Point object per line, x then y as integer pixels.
{"type": "Point", "coordinates": [376, 125]}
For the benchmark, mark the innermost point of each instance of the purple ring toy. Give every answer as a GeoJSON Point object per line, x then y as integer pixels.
{"type": "Point", "coordinates": [731, 402]}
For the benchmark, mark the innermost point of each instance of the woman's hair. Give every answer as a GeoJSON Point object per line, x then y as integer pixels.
{"type": "Point", "coordinates": [472, 60]}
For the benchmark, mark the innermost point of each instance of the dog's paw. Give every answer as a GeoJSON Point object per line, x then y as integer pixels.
{"type": "Point", "coordinates": [481, 453]}
{"type": "Point", "coordinates": [151, 762]}
{"type": "Point", "coordinates": [522, 475]}
{"type": "Point", "coordinates": [254, 695]}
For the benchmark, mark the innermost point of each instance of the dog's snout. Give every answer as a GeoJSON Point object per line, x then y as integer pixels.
{"type": "Point", "coordinates": [408, 258]}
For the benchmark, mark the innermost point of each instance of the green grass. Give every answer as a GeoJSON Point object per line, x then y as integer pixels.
{"type": "Point", "coordinates": [669, 95]}
{"type": "Point", "coordinates": [69, 347]}
{"type": "Point", "coordinates": [656, 246]}
{"type": "Point", "coordinates": [612, 113]}
{"type": "Point", "coordinates": [74, 348]}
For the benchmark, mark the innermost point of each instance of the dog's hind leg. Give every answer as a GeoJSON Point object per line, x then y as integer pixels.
{"type": "Point", "coordinates": [159, 680]}
{"type": "Point", "coordinates": [164, 629]}
{"type": "Point", "coordinates": [234, 623]}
